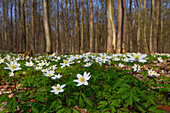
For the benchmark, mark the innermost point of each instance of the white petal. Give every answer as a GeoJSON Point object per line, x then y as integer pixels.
{"type": "Point", "coordinates": [76, 80]}
{"type": "Point", "coordinates": [79, 76]}
{"type": "Point", "coordinates": [86, 83]}
{"type": "Point", "coordinates": [62, 86]}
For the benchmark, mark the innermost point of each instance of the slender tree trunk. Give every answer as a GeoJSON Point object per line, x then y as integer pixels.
{"type": "Point", "coordinates": [26, 26]}
{"type": "Point", "coordinates": [76, 28]}
{"type": "Point", "coordinates": [11, 29]}
{"type": "Point", "coordinates": [120, 26]}
{"type": "Point", "coordinates": [91, 26]}
{"type": "Point", "coordinates": [131, 35]}
{"type": "Point", "coordinates": [145, 38]}
{"type": "Point", "coordinates": [82, 28]}
{"type": "Point", "coordinates": [32, 42]}
{"type": "Point", "coordinates": [161, 34]}
{"type": "Point", "coordinates": [157, 28]}
{"type": "Point", "coordinates": [139, 27]}
{"type": "Point", "coordinates": [109, 26]}
{"type": "Point", "coordinates": [16, 36]}
{"type": "Point", "coordinates": [97, 33]}
{"type": "Point", "coordinates": [47, 27]}
{"type": "Point", "coordinates": [113, 27]}
{"type": "Point", "coordinates": [151, 27]}
{"type": "Point", "coordinates": [57, 29]}
{"type": "Point", "coordinates": [87, 45]}
{"type": "Point", "coordinates": [125, 40]}
{"type": "Point", "coordinates": [5, 25]}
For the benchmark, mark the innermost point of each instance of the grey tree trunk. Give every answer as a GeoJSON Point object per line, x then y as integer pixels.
{"type": "Point", "coordinates": [47, 27]}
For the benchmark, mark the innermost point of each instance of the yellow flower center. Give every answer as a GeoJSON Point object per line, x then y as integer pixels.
{"type": "Point", "coordinates": [150, 72]}
{"type": "Point", "coordinates": [82, 79]}
{"type": "Point", "coordinates": [49, 74]}
{"type": "Point", "coordinates": [155, 73]}
{"type": "Point", "coordinates": [136, 56]}
{"type": "Point", "coordinates": [103, 57]}
{"type": "Point", "coordinates": [58, 88]}
{"type": "Point", "coordinates": [66, 61]}
{"type": "Point", "coordinates": [78, 56]}
{"type": "Point", "coordinates": [12, 66]}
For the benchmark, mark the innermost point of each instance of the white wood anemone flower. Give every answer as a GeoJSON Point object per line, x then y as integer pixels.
{"type": "Point", "coordinates": [49, 73]}
{"type": "Point", "coordinates": [65, 63]}
{"type": "Point", "coordinates": [57, 89]}
{"type": "Point", "coordinates": [29, 64]}
{"type": "Point", "coordinates": [137, 57]}
{"type": "Point", "coordinates": [13, 66]}
{"type": "Point", "coordinates": [1, 61]}
{"type": "Point", "coordinates": [82, 79]}
{"type": "Point", "coordinates": [88, 64]}
{"type": "Point", "coordinates": [136, 67]}
{"type": "Point", "coordinates": [56, 76]}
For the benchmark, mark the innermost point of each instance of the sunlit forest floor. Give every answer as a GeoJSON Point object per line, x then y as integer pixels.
{"type": "Point", "coordinates": [86, 83]}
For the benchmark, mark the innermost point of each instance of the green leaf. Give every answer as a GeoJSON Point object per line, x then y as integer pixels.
{"type": "Point", "coordinates": [141, 109]}
{"type": "Point", "coordinates": [81, 103]}
{"type": "Point", "coordinates": [87, 100]}
{"type": "Point", "coordinates": [75, 111]}
{"type": "Point", "coordinates": [14, 104]}
{"type": "Point", "coordinates": [3, 97]}
{"type": "Point", "coordinates": [102, 104]}
{"type": "Point", "coordinates": [62, 110]}
{"type": "Point", "coordinates": [35, 110]}
{"type": "Point", "coordinates": [42, 89]}
{"type": "Point", "coordinates": [154, 110]}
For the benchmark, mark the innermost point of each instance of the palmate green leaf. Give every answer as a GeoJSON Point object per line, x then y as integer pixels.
{"type": "Point", "coordinates": [154, 110]}
{"type": "Point", "coordinates": [81, 103]}
{"type": "Point", "coordinates": [75, 110]}
{"type": "Point", "coordinates": [102, 104]}
{"type": "Point", "coordinates": [122, 90]}
{"type": "Point", "coordinates": [42, 89]}
{"type": "Point", "coordinates": [3, 97]}
{"type": "Point", "coordinates": [35, 110]}
{"type": "Point", "coordinates": [87, 100]}
{"type": "Point", "coordinates": [62, 110]}
{"type": "Point", "coordinates": [141, 109]}
{"type": "Point", "coordinates": [115, 103]}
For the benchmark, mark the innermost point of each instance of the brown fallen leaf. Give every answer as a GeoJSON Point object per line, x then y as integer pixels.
{"type": "Point", "coordinates": [10, 95]}
{"type": "Point", "coordinates": [81, 110]}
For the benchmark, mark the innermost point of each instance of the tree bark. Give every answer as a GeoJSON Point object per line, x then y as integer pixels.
{"type": "Point", "coordinates": [139, 27]}
{"type": "Point", "coordinates": [82, 28]}
{"type": "Point", "coordinates": [57, 29]}
{"type": "Point", "coordinates": [151, 28]}
{"type": "Point", "coordinates": [47, 27]}
{"type": "Point", "coordinates": [145, 38]}
{"type": "Point", "coordinates": [91, 26]}
{"type": "Point", "coordinates": [109, 27]}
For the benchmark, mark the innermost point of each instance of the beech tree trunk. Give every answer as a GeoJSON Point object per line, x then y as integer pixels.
{"type": "Point", "coordinates": [91, 26]}
{"type": "Point", "coordinates": [47, 27]}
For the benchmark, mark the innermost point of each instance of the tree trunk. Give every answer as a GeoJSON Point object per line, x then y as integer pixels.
{"type": "Point", "coordinates": [82, 28]}
{"type": "Point", "coordinates": [96, 33]}
{"type": "Point", "coordinates": [151, 27]}
{"type": "Point", "coordinates": [57, 29]}
{"type": "Point", "coordinates": [109, 26]}
{"type": "Point", "coordinates": [139, 27]}
{"type": "Point", "coordinates": [11, 28]}
{"type": "Point", "coordinates": [145, 39]}
{"type": "Point", "coordinates": [91, 26]}
{"type": "Point", "coordinates": [120, 26]}
{"type": "Point", "coordinates": [47, 27]}
{"type": "Point", "coordinates": [32, 46]}
{"type": "Point", "coordinates": [5, 25]}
